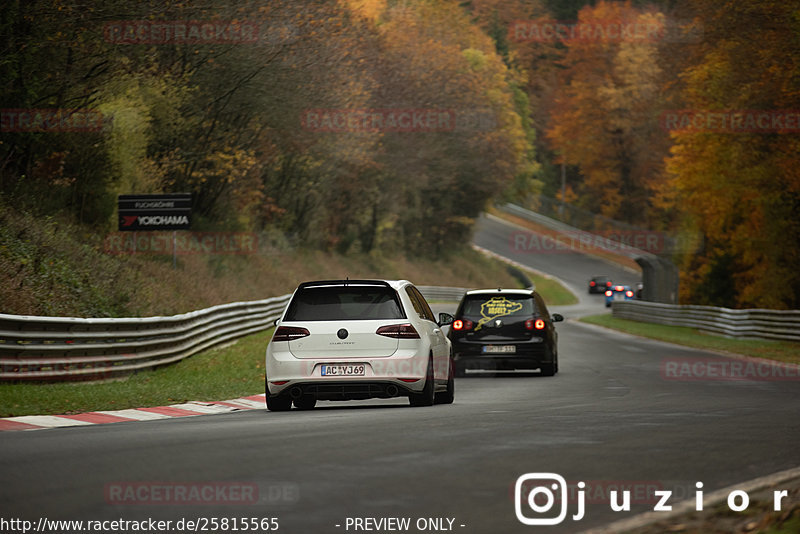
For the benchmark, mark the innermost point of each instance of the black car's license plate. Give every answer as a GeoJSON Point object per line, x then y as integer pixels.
{"type": "Point", "coordinates": [499, 349]}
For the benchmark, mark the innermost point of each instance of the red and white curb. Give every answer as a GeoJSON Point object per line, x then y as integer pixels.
{"type": "Point", "coordinates": [38, 422]}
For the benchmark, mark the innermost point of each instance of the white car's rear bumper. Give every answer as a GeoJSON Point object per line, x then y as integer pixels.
{"type": "Point", "coordinates": [406, 370]}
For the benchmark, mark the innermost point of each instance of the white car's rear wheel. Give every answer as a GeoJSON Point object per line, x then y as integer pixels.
{"type": "Point", "coordinates": [447, 396]}
{"type": "Point", "coordinates": [277, 404]}
{"type": "Point", "coordinates": [427, 396]}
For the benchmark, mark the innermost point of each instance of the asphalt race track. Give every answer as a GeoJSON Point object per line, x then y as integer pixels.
{"type": "Point", "coordinates": [612, 417]}
{"type": "Point", "coordinates": [572, 268]}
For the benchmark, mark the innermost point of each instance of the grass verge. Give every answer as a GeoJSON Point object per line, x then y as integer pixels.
{"type": "Point", "coordinates": [226, 372]}
{"type": "Point", "coordinates": [785, 351]}
{"type": "Point", "coordinates": [553, 292]}
{"type": "Point", "coordinates": [758, 518]}
{"type": "Point", "coordinates": [53, 267]}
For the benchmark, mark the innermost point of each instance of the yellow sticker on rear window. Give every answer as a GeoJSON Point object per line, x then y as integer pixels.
{"type": "Point", "coordinates": [497, 307]}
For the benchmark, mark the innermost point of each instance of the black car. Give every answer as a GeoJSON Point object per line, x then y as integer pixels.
{"type": "Point", "coordinates": [504, 329]}
{"type": "Point", "coordinates": [599, 284]}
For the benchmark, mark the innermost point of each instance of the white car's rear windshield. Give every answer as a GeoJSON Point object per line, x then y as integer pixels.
{"type": "Point", "coordinates": [349, 303]}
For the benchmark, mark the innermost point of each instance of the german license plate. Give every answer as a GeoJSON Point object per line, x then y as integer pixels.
{"type": "Point", "coordinates": [500, 349]}
{"type": "Point", "coordinates": [343, 370]}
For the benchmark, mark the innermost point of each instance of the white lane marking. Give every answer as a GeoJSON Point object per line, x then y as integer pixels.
{"type": "Point", "coordinates": [204, 408]}
{"type": "Point", "coordinates": [246, 403]}
{"type": "Point", "coordinates": [135, 414]}
{"type": "Point", "coordinates": [47, 421]}
{"type": "Point", "coordinates": [138, 415]}
{"type": "Point", "coordinates": [236, 405]}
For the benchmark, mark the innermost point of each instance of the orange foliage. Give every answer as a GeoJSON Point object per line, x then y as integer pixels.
{"type": "Point", "coordinates": [742, 189]}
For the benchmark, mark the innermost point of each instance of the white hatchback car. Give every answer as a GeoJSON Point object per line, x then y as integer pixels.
{"type": "Point", "coordinates": [358, 339]}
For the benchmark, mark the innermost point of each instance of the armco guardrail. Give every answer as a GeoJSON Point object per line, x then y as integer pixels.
{"type": "Point", "coordinates": [452, 294]}
{"type": "Point", "coordinates": [754, 323]}
{"type": "Point", "coordinates": [67, 348]}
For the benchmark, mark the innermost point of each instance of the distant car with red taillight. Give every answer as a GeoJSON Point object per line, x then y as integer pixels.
{"type": "Point", "coordinates": [504, 329]}
{"type": "Point", "coordinates": [599, 284]}
{"type": "Point", "coordinates": [358, 339]}
{"type": "Point", "coordinates": [618, 292]}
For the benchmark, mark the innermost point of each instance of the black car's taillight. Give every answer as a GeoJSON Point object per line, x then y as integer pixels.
{"type": "Point", "coordinates": [534, 324]}
{"type": "Point", "coordinates": [462, 324]}
{"type": "Point", "coordinates": [398, 331]}
{"type": "Point", "coordinates": [290, 333]}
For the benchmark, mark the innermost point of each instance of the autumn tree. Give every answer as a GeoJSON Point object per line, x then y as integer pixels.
{"type": "Point", "coordinates": [227, 121]}
{"type": "Point", "coordinates": [740, 187]}
{"type": "Point", "coordinates": [605, 118]}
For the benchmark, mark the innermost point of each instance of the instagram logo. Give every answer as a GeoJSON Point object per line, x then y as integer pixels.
{"type": "Point", "coordinates": [541, 492]}
{"type": "Point", "coordinates": [538, 491]}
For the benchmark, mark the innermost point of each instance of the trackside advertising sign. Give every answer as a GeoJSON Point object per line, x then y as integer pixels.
{"type": "Point", "coordinates": [155, 212]}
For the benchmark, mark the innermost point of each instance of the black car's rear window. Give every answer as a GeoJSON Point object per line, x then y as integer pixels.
{"type": "Point", "coordinates": [490, 306]}
{"type": "Point", "coordinates": [344, 303]}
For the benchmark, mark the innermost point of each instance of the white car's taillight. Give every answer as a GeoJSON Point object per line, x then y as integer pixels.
{"type": "Point", "coordinates": [290, 333]}
{"type": "Point", "coordinates": [398, 331]}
